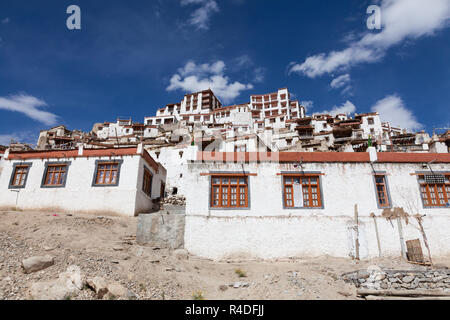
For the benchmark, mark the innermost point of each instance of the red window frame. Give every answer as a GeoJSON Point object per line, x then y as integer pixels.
{"type": "Point", "coordinates": [229, 191]}
{"type": "Point", "coordinates": [435, 194]}
{"type": "Point", "coordinates": [312, 198]}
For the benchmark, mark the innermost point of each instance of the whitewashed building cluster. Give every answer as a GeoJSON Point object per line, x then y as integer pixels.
{"type": "Point", "coordinates": [97, 181]}
{"type": "Point", "coordinates": [260, 179]}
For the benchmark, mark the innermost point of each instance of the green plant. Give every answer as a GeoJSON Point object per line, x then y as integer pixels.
{"type": "Point", "coordinates": [198, 296]}
{"type": "Point", "coordinates": [240, 273]}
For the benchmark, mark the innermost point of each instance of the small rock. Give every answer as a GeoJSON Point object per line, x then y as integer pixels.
{"type": "Point", "coordinates": [223, 288]}
{"type": "Point", "coordinates": [181, 254]}
{"type": "Point", "coordinates": [438, 278]}
{"type": "Point", "coordinates": [34, 264]}
{"type": "Point", "coordinates": [407, 279]}
{"type": "Point", "coordinates": [380, 277]}
{"type": "Point", "coordinates": [117, 248]}
{"type": "Point", "coordinates": [131, 295]}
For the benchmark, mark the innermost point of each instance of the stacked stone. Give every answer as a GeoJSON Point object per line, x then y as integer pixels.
{"type": "Point", "coordinates": [399, 280]}
{"type": "Point", "coordinates": [174, 200]}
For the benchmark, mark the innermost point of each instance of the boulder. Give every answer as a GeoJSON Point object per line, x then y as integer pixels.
{"type": "Point", "coordinates": [117, 290]}
{"type": "Point", "coordinates": [34, 264]}
{"type": "Point", "coordinates": [99, 285]}
{"type": "Point", "coordinates": [73, 278]}
{"type": "Point", "coordinates": [67, 285]}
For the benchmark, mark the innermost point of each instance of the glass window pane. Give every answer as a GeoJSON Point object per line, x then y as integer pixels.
{"type": "Point", "coordinates": [49, 178]}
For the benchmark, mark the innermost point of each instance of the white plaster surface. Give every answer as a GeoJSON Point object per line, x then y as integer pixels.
{"type": "Point", "coordinates": [79, 195]}
{"type": "Point", "coordinates": [267, 230]}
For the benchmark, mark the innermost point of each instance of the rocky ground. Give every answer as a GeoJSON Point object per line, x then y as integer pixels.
{"type": "Point", "coordinates": [97, 257]}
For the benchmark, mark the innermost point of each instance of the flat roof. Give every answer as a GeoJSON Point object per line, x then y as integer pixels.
{"type": "Point", "coordinates": [331, 157]}
{"type": "Point", "coordinates": [73, 153]}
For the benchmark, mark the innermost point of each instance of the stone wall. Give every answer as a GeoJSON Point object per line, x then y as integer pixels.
{"type": "Point", "coordinates": [164, 229]}
{"type": "Point", "coordinates": [377, 279]}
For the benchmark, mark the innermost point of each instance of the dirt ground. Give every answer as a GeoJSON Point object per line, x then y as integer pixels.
{"type": "Point", "coordinates": [106, 247]}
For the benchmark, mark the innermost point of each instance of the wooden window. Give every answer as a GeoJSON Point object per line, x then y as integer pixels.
{"type": "Point", "coordinates": [382, 191]}
{"type": "Point", "coordinates": [20, 176]}
{"type": "Point", "coordinates": [107, 173]}
{"type": "Point", "coordinates": [162, 191]}
{"type": "Point", "coordinates": [56, 175]}
{"type": "Point", "coordinates": [229, 192]}
{"type": "Point", "coordinates": [241, 148]}
{"type": "Point", "coordinates": [147, 185]}
{"type": "Point", "coordinates": [435, 194]}
{"type": "Point", "coordinates": [302, 191]}
{"type": "Point", "coordinates": [370, 121]}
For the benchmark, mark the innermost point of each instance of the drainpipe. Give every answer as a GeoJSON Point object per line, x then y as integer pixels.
{"type": "Point", "coordinates": [402, 240]}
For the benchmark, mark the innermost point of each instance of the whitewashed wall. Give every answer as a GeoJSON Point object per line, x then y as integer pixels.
{"type": "Point", "coordinates": [266, 230]}
{"type": "Point", "coordinates": [79, 195]}
{"type": "Point", "coordinates": [175, 165]}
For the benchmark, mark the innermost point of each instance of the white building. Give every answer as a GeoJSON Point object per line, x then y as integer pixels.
{"type": "Point", "coordinates": [280, 205]}
{"type": "Point", "coordinates": [122, 181]}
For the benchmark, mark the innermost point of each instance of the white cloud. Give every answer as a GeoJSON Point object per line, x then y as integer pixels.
{"type": "Point", "coordinates": [347, 108]}
{"type": "Point", "coordinates": [193, 78]}
{"type": "Point", "coordinates": [340, 81]}
{"type": "Point", "coordinates": [5, 139]}
{"type": "Point", "coordinates": [392, 109]}
{"type": "Point", "coordinates": [244, 62]}
{"type": "Point", "coordinates": [401, 20]}
{"type": "Point", "coordinates": [200, 17]}
{"type": "Point", "coordinates": [307, 104]}
{"type": "Point", "coordinates": [28, 137]}
{"type": "Point", "coordinates": [29, 106]}
{"type": "Point", "coordinates": [259, 75]}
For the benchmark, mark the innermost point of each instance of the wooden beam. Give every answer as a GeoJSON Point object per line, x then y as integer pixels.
{"type": "Point", "coordinates": [372, 298]}
{"type": "Point", "coordinates": [300, 174]}
{"type": "Point", "coordinates": [229, 174]}
{"type": "Point", "coordinates": [403, 293]}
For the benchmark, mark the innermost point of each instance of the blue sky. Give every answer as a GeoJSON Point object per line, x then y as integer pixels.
{"type": "Point", "coordinates": [132, 57]}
